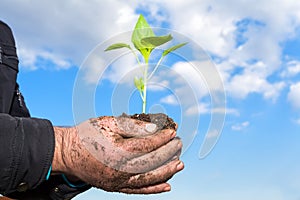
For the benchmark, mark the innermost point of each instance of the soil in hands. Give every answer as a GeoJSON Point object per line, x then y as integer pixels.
{"type": "Point", "coordinates": [161, 120]}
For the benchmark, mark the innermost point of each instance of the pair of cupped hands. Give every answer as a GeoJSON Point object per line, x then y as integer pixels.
{"type": "Point", "coordinates": [118, 154]}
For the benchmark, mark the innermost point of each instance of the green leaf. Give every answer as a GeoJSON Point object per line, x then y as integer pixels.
{"type": "Point", "coordinates": [139, 83]}
{"type": "Point", "coordinates": [142, 30]}
{"type": "Point", "coordinates": [117, 46]}
{"type": "Point", "coordinates": [156, 41]}
{"type": "Point", "coordinates": [173, 48]}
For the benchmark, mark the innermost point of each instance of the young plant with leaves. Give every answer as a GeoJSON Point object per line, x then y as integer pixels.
{"type": "Point", "coordinates": [145, 41]}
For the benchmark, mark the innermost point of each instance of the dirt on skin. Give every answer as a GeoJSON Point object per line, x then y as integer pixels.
{"type": "Point", "coordinates": [161, 120]}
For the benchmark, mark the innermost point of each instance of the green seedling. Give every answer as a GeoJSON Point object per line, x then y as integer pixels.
{"type": "Point", "coordinates": [145, 41]}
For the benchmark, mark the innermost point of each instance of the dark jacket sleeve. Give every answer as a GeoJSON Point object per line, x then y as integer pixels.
{"type": "Point", "coordinates": [8, 67]}
{"type": "Point", "coordinates": [26, 144]}
{"type": "Point", "coordinates": [27, 148]}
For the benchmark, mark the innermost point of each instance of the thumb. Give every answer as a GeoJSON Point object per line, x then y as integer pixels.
{"type": "Point", "coordinates": [135, 128]}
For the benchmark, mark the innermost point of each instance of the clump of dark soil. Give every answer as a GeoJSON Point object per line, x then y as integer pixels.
{"type": "Point", "coordinates": [161, 120]}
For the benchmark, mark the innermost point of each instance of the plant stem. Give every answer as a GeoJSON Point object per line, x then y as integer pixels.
{"type": "Point", "coordinates": [156, 67]}
{"type": "Point", "coordinates": [145, 87]}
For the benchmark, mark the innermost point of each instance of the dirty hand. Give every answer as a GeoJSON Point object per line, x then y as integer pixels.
{"type": "Point", "coordinates": [118, 154]}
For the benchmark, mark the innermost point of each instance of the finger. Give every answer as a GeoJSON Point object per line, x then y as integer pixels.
{"type": "Point", "coordinates": [153, 159]}
{"type": "Point", "coordinates": [148, 143]}
{"type": "Point", "coordinates": [162, 187]}
{"type": "Point", "coordinates": [135, 128]}
{"type": "Point", "coordinates": [157, 176]}
{"type": "Point", "coordinates": [101, 127]}
{"type": "Point", "coordinates": [176, 126]}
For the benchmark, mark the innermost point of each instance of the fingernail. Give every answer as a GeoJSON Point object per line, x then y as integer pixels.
{"type": "Point", "coordinates": [180, 166]}
{"type": "Point", "coordinates": [173, 134]}
{"type": "Point", "coordinates": [179, 144]}
{"type": "Point", "coordinates": [167, 189]}
{"type": "Point", "coordinates": [151, 128]}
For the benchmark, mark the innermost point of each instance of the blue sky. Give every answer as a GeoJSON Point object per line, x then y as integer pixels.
{"type": "Point", "coordinates": [253, 47]}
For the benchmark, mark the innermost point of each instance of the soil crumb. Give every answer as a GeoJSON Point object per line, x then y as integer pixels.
{"type": "Point", "coordinates": [161, 120]}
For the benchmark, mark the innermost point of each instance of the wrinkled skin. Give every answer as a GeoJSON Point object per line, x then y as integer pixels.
{"type": "Point", "coordinates": [118, 154]}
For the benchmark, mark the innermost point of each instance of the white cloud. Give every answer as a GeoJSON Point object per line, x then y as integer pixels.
{"type": "Point", "coordinates": [160, 81]}
{"type": "Point", "coordinates": [187, 83]}
{"type": "Point", "coordinates": [205, 108]}
{"type": "Point", "coordinates": [34, 60]}
{"type": "Point", "coordinates": [68, 29]}
{"type": "Point", "coordinates": [186, 73]}
{"type": "Point", "coordinates": [28, 58]}
{"type": "Point", "coordinates": [293, 68]}
{"type": "Point", "coordinates": [294, 95]}
{"type": "Point", "coordinates": [219, 20]}
{"type": "Point", "coordinates": [170, 99]}
{"type": "Point", "coordinates": [92, 69]}
{"type": "Point", "coordinates": [249, 39]}
{"type": "Point", "coordinates": [240, 126]}
{"type": "Point", "coordinates": [158, 86]}
{"type": "Point", "coordinates": [253, 80]}
{"type": "Point", "coordinates": [123, 70]}
{"type": "Point", "coordinates": [201, 108]}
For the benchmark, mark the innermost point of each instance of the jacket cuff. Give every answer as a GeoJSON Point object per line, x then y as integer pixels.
{"type": "Point", "coordinates": [36, 145]}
